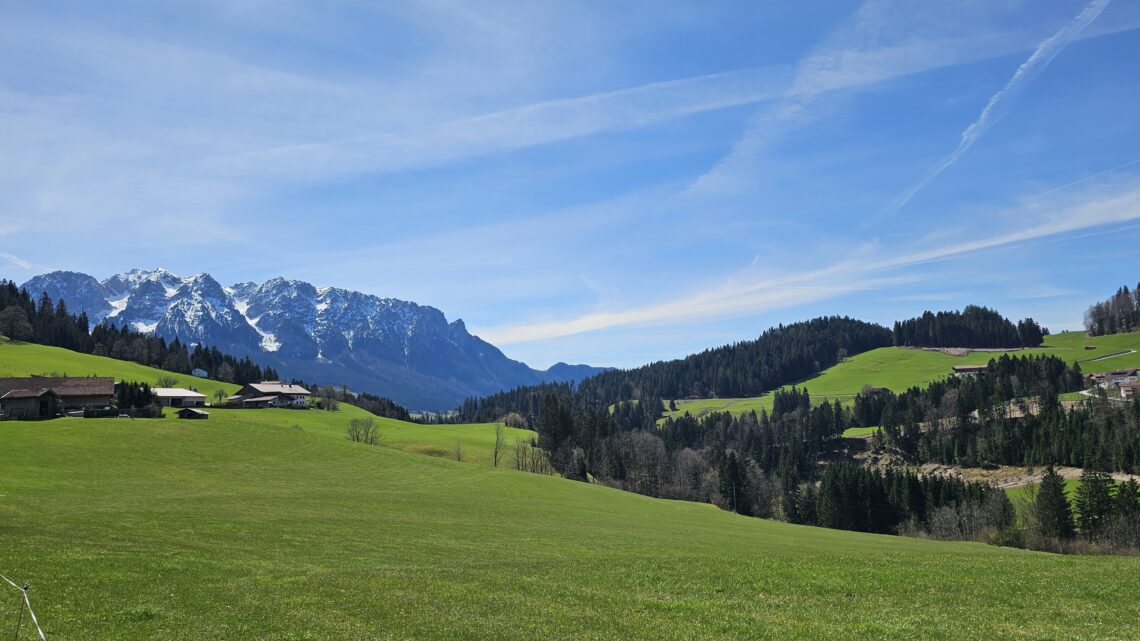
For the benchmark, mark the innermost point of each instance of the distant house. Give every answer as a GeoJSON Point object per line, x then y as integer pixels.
{"type": "Point", "coordinates": [178, 397]}
{"type": "Point", "coordinates": [1128, 390]}
{"type": "Point", "coordinates": [27, 405]}
{"type": "Point", "coordinates": [191, 413]}
{"type": "Point", "coordinates": [968, 370]}
{"type": "Point", "coordinates": [271, 394]}
{"type": "Point", "coordinates": [199, 372]}
{"type": "Point", "coordinates": [1116, 378]}
{"type": "Point", "coordinates": [74, 393]}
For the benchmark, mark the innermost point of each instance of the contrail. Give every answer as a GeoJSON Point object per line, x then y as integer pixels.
{"type": "Point", "coordinates": [998, 104]}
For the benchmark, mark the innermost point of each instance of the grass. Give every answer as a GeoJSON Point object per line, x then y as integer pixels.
{"type": "Point", "coordinates": [859, 432]}
{"type": "Point", "coordinates": [29, 359]}
{"type": "Point", "coordinates": [1017, 493]}
{"type": "Point", "coordinates": [240, 528]}
{"type": "Point", "coordinates": [269, 524]}
{"type": "Point", "coordinates": [476, 441]}
{"type": "Point", "coordinates": [898, 369]}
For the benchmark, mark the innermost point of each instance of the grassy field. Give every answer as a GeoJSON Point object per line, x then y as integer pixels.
{"type": "Point", "coordinates": [475, 441]}
{"type": "Point", "coordinates": [270, 524]}
{"type": "Point", "coordinates": [898, 369]}
{"type": "Point", "coordinates": [29, 359]}
{"type": "Point", "coordinates": [242, 528]}
{"type": "Point", "coordinates": [859, 432]}
{"type": "Point", "coordinates": [1017, 494]}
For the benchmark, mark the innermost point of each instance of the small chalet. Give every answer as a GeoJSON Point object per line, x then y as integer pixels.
{"type": "Point", "coordinates": [271, 394]}
{"type": "Point", "coordinates": [968, 370]}
{"type": "Point", "coordinates": [1128, 390]}
{"type": "Point", "coordinates": [199, 372]}
{"type": "Point", "coordinates": [27, 405]}
{"type": "Point", "coordinates": [177, 397]}
{"type": "Point", "coordinates": [191, 413]}
{"type": "Point", "coordinates": [74, 393]}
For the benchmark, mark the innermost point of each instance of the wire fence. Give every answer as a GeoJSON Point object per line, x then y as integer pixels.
{"type": "Point", "coordinates": [24, 603]}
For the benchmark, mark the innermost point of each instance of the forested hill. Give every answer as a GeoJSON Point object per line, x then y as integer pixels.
{"type": "Point", "coordinates": [973, 327]}
{"type": "Point", "coordinates": [1121, 313]}
{"type": "Point", "coordinates": [781, 355]}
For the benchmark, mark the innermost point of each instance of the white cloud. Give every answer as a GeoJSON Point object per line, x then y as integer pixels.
{"type": "Point", "coordinates": [999, 104]}
{"type": "Point", "coordinates": [748, 293]}
{"type": "Point", "coordinates": [883, 41]}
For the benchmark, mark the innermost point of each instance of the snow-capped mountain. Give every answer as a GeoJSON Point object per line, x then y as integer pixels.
{"type": "Point", "coordinates": [391, 347]}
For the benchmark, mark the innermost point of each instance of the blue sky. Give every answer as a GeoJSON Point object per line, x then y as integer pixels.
{"type": "Point", "coordinates": [600, 182]}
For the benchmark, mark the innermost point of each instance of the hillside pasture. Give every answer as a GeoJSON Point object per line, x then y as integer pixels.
{"type": "Point", "coordinates": [246, 527]}
{"type": "Point", "coordinates": [29, 359]}
{"type": "Point", "coordinates": [898, 369]}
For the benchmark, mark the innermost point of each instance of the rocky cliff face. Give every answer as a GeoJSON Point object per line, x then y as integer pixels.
{"type": "Point", "coordinates": [395, 348]}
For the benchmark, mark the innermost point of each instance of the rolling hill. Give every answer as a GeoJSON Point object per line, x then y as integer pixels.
{"type": "Point", "coordinates": [269, 524]}
{"type": "Point", "coordinates": [899, 368]}
{"type": "Point", "coordinates": [246, 528]}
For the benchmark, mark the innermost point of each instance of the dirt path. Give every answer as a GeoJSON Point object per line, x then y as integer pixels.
{"type": "Point", "coordinates": [1108, 356]}
{"type": "Point", "coordinates": [1008, 476]}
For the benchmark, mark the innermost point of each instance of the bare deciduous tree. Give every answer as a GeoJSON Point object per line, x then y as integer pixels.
{"type": "Point", "coordinates": [363, 430]}
{"type": "Point", "coordinates": [166, 381]}
{"type": "Point", "coordinates": [500, 445]}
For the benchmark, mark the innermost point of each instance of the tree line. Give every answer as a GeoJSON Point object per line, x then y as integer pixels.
{"type": "Point", "coordinates": [780, 355]}
{"type": "Point", "coordinates": [1102, 512]}
{"type": "Point", "coordinates": [974, 326]}
{"type": "Point", "coordinates": [49, 322]}
{"type": "Point", "coordinates": [1120, 313]}
{"type": "Point", "coordinates": [759, 464]}
{"type": "Point", "coordinates": [329, 397]}
{"type": "Point", "coordinates": [1008, 415]}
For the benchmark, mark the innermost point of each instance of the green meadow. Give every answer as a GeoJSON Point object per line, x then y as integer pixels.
{"type": "Point", "coordinates": [901, 368]}
{"type": "Point", "coordinates": [246, 528]}
{"type": "Point", "coordinates": [270, 524]}
{"type": "Point", "coordinates": [29, 359]}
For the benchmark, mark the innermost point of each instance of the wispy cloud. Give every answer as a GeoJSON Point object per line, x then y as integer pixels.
{"type": "Point", "coordinates": [1001, 102]}
{"type": "Point", "coordinates": [516, 128]}
{"type": "Point", "coordinates": [884, 41]}
{"type": "Point", "coordinates": [16, 261]}
{"type": "Point", "coordinates": [751, 294]}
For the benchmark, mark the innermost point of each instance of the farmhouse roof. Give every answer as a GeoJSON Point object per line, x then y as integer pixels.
{"type": "Point", "coordinates": [191, 410]}
{"type": "Point", "coordinates": [969, 368]}
{"type": "Point", "coordinates": [64, 386]}
{"type": "Point", "coordinates": [259, 399]}
{"type": "Point", "coordinates": [175, 392]}
{"type": "Point", "coordinates": [27, 393]}
{"type": "Point", "coordinates": [277, 387]}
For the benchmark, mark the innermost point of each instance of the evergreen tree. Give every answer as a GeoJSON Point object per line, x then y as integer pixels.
{"type": "Point", "coordinates": [1094, 502]}
{"type": "Point", "coordinates": [1054, 514]}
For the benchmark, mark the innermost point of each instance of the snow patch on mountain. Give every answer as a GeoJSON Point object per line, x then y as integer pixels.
{"type": "Point", "coordinates": [387, 346]}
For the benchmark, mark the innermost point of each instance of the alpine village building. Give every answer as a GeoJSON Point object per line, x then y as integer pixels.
{"type": "Point", "coordinates": [36, 397]}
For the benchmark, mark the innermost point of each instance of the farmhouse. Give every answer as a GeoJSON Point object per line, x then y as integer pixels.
{"type": "Point", "coordinates": [74, 393]}
{"type": "Point", "coordinates": [26, 405]}
{"type": "Point", "coordinates": [1116, 378]}
{"type": "Point", "coordinates": [199, 372]}
{"type": "Point", "coordinates": [177, 397]}
{"type": "Point", "coordinates": [1128, 390]}
{"type": "Point", "coordinates": [968, 370]}
{"type": "Point", "coordinates": [271, 394]}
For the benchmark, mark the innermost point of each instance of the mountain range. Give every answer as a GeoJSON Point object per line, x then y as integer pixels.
{"type": "Point", "coordinates": [324, 335]}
